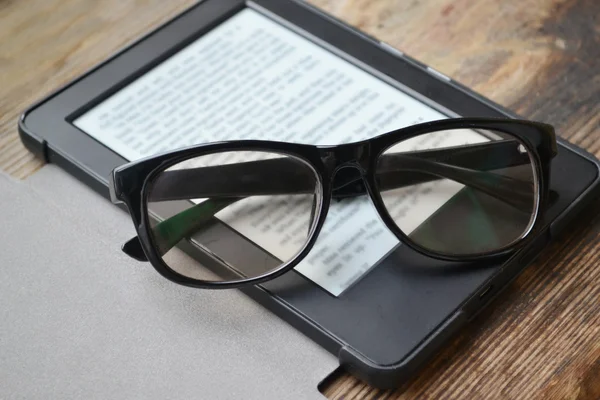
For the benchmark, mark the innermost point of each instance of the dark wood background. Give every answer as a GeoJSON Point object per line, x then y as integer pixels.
{"type": "Point", "coordinates": [540, 58]}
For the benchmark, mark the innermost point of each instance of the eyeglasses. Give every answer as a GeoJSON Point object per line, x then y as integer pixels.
{"type": "Point", "coordinates": [458, 189]}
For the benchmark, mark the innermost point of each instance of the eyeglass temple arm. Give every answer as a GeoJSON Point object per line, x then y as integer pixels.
{"type": "Point", "coordinates": [179, 226]}
{"type": "Point", "coordinates": [464, 164]}
{"type": "Point", "coordinates": [276, 177]}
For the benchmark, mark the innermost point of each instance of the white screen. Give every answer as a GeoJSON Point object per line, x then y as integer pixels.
{"type": "Point", "coordinates": [252, 78]}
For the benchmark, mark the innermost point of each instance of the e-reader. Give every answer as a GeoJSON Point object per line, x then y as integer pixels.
{"type": "Point", "coordinates": [283, 70]}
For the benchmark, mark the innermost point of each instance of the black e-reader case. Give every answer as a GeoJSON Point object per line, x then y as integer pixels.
{"type": "Point", "coordinates": [388, 324]}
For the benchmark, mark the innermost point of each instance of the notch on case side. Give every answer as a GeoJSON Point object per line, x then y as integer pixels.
{"type": "Point", "coordinates": [32, 142]}
{"type": "Point", "coordinates": [391, 49]}
{"type": "Point", "coordinates": [438, 74]}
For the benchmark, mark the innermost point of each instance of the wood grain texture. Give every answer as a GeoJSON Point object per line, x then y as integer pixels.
{"type": "Point", "coordinates": [541, 58]}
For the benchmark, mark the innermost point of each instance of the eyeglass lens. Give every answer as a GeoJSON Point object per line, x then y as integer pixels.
{"type": "Point", "coordinates": [268, 197]}
{"type": "Point", "coordinates": [459, 192]}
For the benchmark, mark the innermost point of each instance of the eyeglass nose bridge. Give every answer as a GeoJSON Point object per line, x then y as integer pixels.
{"type": "Point", "coordinates": [351, 155]}
{"type": "Point", "coordinates": [347, 166]}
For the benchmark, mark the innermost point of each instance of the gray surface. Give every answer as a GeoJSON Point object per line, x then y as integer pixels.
{"type": "Point", "coordinates": [81, 320]}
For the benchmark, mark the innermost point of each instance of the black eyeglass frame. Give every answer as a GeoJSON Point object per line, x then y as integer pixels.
{"type": "Point", "coordinates": [130, 184]}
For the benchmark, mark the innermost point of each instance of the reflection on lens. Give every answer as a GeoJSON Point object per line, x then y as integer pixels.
{"type": "Point", "coordinates": [460, 192]}
{"type": "Point", "coordinates": [252, 211]}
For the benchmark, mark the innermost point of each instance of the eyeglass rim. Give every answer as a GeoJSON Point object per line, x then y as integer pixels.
{"type": "Point", "coordinates": [316, 225]}
{"type": "Point", "coordinates": [397, 230]}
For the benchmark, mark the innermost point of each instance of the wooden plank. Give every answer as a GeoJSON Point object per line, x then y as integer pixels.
{"type": "Point", "coordinates": [541, 58]}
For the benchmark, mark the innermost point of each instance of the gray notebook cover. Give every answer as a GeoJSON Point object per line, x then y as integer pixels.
{"type": "Point", "coordinates": [82, 320]}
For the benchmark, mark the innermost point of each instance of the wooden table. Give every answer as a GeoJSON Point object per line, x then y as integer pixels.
{"type": "Point", "coordinates": [541, 58]}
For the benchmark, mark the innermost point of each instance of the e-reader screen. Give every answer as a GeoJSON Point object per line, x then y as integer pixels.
{"type": "Point", "coordinates": [253, 78]}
